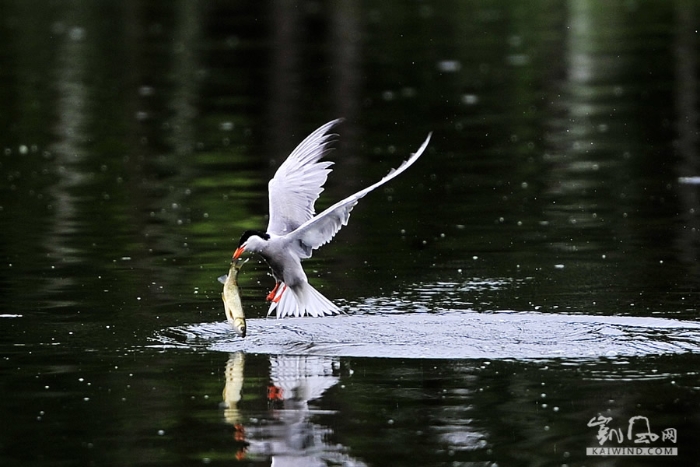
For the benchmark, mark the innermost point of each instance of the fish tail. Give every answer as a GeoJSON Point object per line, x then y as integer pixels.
{"type": "Point", "coordinates": [239, 263]}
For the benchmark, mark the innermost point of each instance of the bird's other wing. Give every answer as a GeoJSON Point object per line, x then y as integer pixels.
{"type": "Point", "coordinates": [321, 229]}
{"type": "Point", "coordinates": [299, 181]}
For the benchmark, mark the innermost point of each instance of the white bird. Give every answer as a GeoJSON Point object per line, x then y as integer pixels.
{"type": "Point", "coordinates": [293, 232]}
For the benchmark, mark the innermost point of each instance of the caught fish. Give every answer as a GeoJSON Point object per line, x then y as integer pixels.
{"type": "Point", "coordinates": [232, 298]}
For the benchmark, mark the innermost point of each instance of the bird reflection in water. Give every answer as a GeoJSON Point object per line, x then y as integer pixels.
{"type": "Point", "coordinates": [285, 434]}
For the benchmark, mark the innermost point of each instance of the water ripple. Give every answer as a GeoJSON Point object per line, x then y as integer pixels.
{"type": "Point", "coordinates": [449, 335]}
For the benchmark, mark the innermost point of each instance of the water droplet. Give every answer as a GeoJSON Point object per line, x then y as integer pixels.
{"type": "Point", "coordinates": [77, 33]}
{"type": "Point", "coordinates": [470, 99]}
{"type": "Point", "coordinates": [449, 66]}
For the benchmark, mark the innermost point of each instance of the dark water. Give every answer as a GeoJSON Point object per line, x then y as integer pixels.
{"type": "Point", "coordinates": [537, 269]}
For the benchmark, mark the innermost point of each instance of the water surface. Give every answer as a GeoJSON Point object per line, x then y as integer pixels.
{"type": "Point", "coordinates": [536, 268]}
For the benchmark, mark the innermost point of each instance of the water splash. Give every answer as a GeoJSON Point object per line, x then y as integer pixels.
{"type": "Point", "coordinates": [448, 335]}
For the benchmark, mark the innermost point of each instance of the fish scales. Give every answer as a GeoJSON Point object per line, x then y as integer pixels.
{"type": "Point", "coordinates": [231, 297]}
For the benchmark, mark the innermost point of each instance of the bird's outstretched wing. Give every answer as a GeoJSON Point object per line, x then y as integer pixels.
{"type": "Point", "coordinates": [321, 229]}
{"type": "Point", "coordinates": [299, 181]}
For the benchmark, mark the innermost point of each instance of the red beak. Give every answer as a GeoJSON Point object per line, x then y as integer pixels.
{"type": "Point", "coordinates": [238, 252]}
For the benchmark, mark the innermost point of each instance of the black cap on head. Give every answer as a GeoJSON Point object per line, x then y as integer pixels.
{"type": "Point", "coordinates": [249, 233]}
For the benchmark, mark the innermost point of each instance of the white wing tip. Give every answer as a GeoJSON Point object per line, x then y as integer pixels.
{"type": "Point", "coordinates": [424, 145]}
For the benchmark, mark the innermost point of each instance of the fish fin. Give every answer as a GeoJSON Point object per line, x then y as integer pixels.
{"type": "Point", "coordinates": [227, 312]}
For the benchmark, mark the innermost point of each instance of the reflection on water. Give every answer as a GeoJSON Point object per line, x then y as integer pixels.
{"type": "Point", "coordinates": [67, 154]}
{"type": "Point", "coordinates": [138, 138]}
{"type": "Point", "coordinates": [434, 413]}
{"type": "Point", "coordinates": [286, 434]}
{"type": "Point", "coordinates": [433, 297]}
{"type": "Point", "coordinates": [586, 165]}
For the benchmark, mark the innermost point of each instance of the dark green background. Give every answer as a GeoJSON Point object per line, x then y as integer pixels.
{"type": "Point", "coordinates": [136, 142]}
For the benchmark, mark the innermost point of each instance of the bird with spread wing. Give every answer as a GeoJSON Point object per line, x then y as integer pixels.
{"type": "Point", "coordinates": [294, 231]}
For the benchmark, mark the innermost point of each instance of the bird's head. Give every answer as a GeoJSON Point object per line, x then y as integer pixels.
{"type": "Point", "coordinates": [252, 241]}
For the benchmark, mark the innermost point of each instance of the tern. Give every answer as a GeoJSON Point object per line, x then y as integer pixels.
{"type": "Point", "coordinates": [293, 229]}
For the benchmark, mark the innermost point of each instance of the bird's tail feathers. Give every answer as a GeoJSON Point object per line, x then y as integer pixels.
{"type": "Point", "coordinates": [286, 305]}
{"type": "Point", "coordinates": [304, 301]}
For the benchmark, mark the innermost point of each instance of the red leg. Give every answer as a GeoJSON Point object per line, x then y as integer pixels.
{"type": "Point", "coordinates": [274, 393]}
{"type": "Point", "coordinates": [271, 295]}
{"type": "Point", "coordinates": [279, 297]}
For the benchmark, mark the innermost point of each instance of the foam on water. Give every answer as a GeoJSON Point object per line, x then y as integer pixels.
{"type": "Point", "coordinates": [448, 335]}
